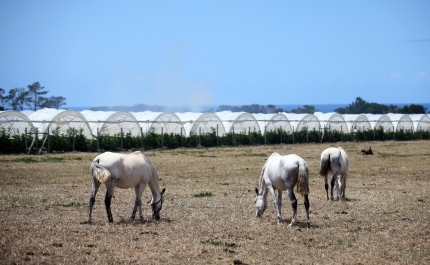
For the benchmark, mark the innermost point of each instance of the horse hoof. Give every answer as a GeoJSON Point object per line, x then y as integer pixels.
{"type": "Point", "coordinates": [290, 226]}
{"type": "Point", "coordinates": [85, 223]}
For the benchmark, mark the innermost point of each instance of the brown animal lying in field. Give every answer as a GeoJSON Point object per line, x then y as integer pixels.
{"type": "Point", "coordinates": [367, 151]}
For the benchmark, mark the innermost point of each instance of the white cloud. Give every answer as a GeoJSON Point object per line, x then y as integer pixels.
{"type": "Point", "coordinates": [250, 81]}
{"type": "Point", "coordinates": [283, 80]}
{"type": "Point", "coordinates": [421, 77]}
{"type": "Point", "coordinates": [397, 77]}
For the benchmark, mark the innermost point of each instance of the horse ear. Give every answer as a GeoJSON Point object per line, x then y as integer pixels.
{"type": "Point", "coordinates": [162, 192]}
{"type": "Point", "coordinates": [256, 190]}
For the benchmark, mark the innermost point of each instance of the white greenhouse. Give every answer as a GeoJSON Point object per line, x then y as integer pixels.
{"type": "Point", "coordinates": [421, 122]}
{"type": "Point", "coordinates": [357, 122]}
{"type": "Point", "coordinates": [303, 121]}
{"type": "Point", "coordinates": [238, 122]}
{"type": "Point", "coordinates": [332, 121]}
{"type": "Point", "coordinates": [195, 123]}
{"type": "Point", "coordinates": [158, 122]}
{"type": "Point", "coordinates": [15, 122]}
{"type": "Point", "coordinates": [273, 122]}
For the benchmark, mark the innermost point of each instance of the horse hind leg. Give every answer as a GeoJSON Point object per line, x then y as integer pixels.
{"type": "Point", "coordinates": [307, 204]}
{"type": "Point", "coordinates": [293, 200]}
{"type": "Point", "coordinates": [94, 188]}
{"type": "Point", "coordinates": [110, 189]}
{"type": "Point", "coordinates": [342, 184]}
{"type": "Point", "coordinates": [326, 186]}
{"type": "Point", "coordinates": [333, 184]}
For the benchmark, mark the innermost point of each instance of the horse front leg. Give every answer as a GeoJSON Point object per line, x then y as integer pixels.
{"type": "Point", "coordinates": [279, 202]}
{"type": "Point", "coordinates": [278, 210]}
{"type": "Point", "coordinates": [138, 202]}
{"type": "Point", "coordinates": [293, 200]}
{"type": "Point", "coordinates": [94, 188]}
{"type": "Point", "coordinates": [110, 189]}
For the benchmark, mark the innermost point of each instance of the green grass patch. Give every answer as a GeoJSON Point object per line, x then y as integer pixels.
{"type": "Point", "coordinates": [250, 154]}
{"type": "Point", "coordinates": [53, 159]}
{"type": "Point", "coordinates": [203, 194]}
{"type": "Point", "coordinates": [396, 155]}
{"type": "Point", "coordinates": [217, 243]}
{"type": "Point", "coordinates": [39, 159]}
{"type": "Point", "coordinates": [27, 160]}
{"type": "Point", "coordinates": [78, 205]}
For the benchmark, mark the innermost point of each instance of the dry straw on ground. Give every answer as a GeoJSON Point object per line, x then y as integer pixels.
{"type": "Point", "coordinates": [384, 220]}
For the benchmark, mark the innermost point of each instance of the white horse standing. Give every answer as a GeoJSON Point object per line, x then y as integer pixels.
{"type": "Point", "coordinates": [125, 171]}
{"type": "Point", "coordinates": [283, 173]}
{"type": "Point", "coordinates": [336, 161]}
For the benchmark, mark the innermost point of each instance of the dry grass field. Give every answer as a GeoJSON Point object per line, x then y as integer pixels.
{"type": "Point", "coordinates": [384, 220]}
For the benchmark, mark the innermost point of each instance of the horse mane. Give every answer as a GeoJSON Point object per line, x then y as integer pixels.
{"type": "Point", "coordinates": [150, 164]}
{"type": "Point", "coordinates": [98, 172]}
{"type": "Point", "coordinates": [264, 168]}
{"type": "Point", "coordinates": [260, 183]}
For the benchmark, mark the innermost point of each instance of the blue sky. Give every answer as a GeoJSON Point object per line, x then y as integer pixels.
{"type": "Point", "coordinates": [172, 53]}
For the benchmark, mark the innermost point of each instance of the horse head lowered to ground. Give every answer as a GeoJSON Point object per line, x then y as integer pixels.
{"type": "Point", "coordinates": [283, 173]}
{"type": "Point", "coordinates": [125, 171]}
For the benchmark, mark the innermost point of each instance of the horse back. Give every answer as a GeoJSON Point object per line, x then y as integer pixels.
{"type": "Point", "coordinates": [127, 170]}
{"type": "Point", "coordinates": [283, 171]}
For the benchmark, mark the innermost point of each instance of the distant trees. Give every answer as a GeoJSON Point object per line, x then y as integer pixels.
{"type": "Point", "coordinates": [17, 98]}
{"type": "Point", "coordinates": [2, 98]}
{"type": "Point", "coordinates": [52, 102]}
{"type": "Point", "coordinates": [253, 108]}
{"type": "Point", "coordinates": [306, 109]}
{"type": "Point", "coordinates": [36, 90]}
{"type": "Point", "coordinates": [362, 106]}
{"type": "Point", "coordinates": [134, 108]}
{"type": "Point", "coordinates": [413, 109]}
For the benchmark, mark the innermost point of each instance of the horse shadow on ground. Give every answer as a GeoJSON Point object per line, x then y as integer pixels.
{"type": "Point", "coordinates": [303, 226]}
{"type": "Point", "coordinates": [143, 221]}
{"type": "Point", "coordinates": [349, 200]}
{"type": "Point", "coordinates": [131, 221]}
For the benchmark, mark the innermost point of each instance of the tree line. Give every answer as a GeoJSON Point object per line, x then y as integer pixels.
{"type": "Point", "coordinates": [32, 96]}
{"type": "Point", "coordinates": [362, 106]}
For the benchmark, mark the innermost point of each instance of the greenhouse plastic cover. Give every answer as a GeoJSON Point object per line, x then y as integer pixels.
{"type": "Point", "coordinates": [92, 123]}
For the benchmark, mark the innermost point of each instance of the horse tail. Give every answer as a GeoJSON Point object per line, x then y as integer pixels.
{"type": "Point", "coordinates": [325, 165]}
{"type": "Point", "coordinates": [98, 172]}
{"type": "Point", "coordinates": [303, 179]}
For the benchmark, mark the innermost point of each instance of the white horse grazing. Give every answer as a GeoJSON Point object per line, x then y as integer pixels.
{"type": "Point", "coordinates": [125, 171]}
{"type": "Point", "coordinates": [283, 173]}
{"type": "Point", "coordinates": [336, 161]}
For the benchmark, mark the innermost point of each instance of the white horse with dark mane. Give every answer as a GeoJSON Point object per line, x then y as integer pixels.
{"type": "Point", "coordinates": [283, 173]}
{"type": "Point", "coordinates": [125, 171]}
{"type": "Point", "coordinates": [336, 161]}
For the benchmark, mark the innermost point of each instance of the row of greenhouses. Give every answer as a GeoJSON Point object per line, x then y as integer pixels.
{"type": "Point", "coordinates": [94, 123]}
